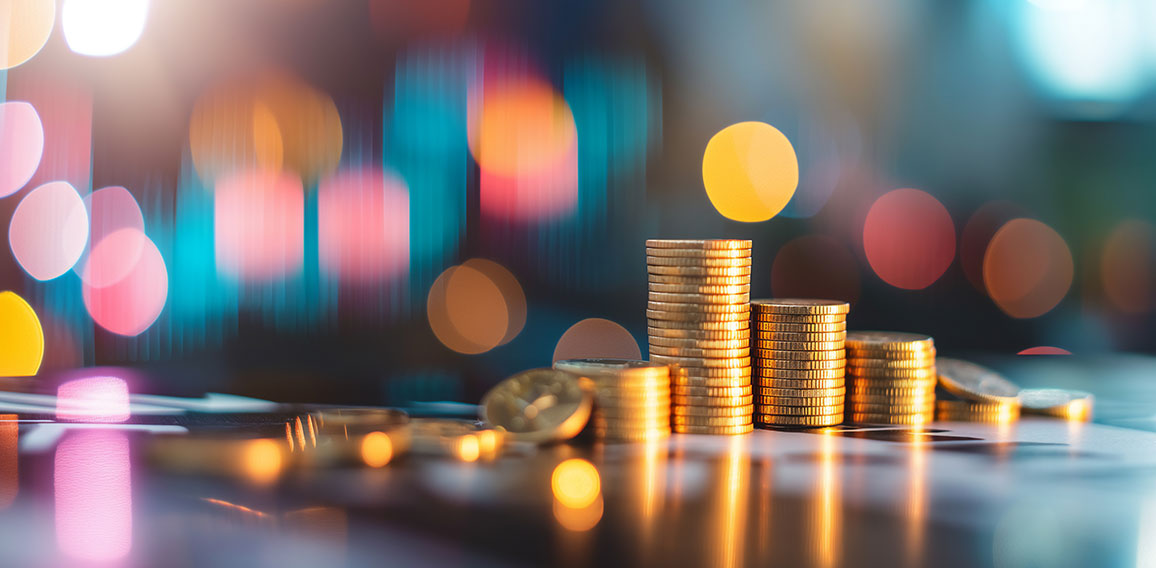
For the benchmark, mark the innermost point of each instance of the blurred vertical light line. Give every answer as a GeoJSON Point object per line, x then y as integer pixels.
{"type": "Point", "coordinates": [61, 299]}
{"type": "Point", "coordinates": [425, 134]}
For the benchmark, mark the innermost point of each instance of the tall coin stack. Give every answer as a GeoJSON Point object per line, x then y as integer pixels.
{"type": "Point", "coordinates": [799, 357]}
{"type": "Point", "coordinates": [631, 398]}
{"type": "Point", "coordinates": [698, 318]}
{"type": "Point", "coordinates": [890, 377]}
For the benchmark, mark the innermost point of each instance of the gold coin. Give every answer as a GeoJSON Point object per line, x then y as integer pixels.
{"type": "Point", "coordinates": [699, 308]}
{"type": "Point", "coordinates": [715, 271]}
{"type": "Point", "coordinates": [862, 363]}
{"type": "Point", "coordinates": [774, 328]}
{"type": "Point", "coordinates": [970, 381]}
{"type": "Point", "coordinates": [787, 354]}
{"type": "Point", "coordinates": [801, 306]}
{"type": "Point", "coordinates": [695, 316]}
{"type": "Point", "coordinates": [820, 346]}
{"type": "Point", "coordinates": [713, 401]}
{"type": "Point", "coordinates": [704, 244]}
{"type": "Point", "coordinates": [684, 391]}
{"type": "Point", "coordinates": [894, 419]}
{"type": "Point", "coordinates": [619, 432]}
{"type": "Point", "coordinates": [697, 320]}
{"type": "Point", "coordinates": [699, 334]}
{"type": "Point", "coordinates": [628, 420]}
{"type": "Point", "coordinates": [607, 366]}
{"type": "Point", "coordinates": [695, 352]}
{"type": "Point", "coordinates": [889, 340]}
{"type": "Point", "coordinates": [967, 406]}
{"type": "Point", "coordinates": [882, 375]}
{"type": "Point", "coordinates": [724, 299]}
{"type": "Point", "coordinates": [774, 383]}
{"type": "Point", "coordinates": [777, 410]}
{"type": "Point", "coordinates": [714, 430]}
{"type": "Point", "coordinates": [898, 393]}
{"type": "Point", "coordinates": [799, 393]}
{"type": "Point", "coordinates": [710, 373]}
{"type": "Point", "coordinates": [743, 291]}
{"type": "Point", "coordinates": [923, 398]}
{"type": "Point", "coordinates": [779, 362]}
{"type": "Point", "coordinates": [628, 402]}
{"type": "Point", "coordinates": [539, 405]}
{"type": "Point", "coordinates": [869, 408]}
{"type": "Point", "coordinates": [778, 337]}
{"type": "Point", "coordinates": [644, 436]}
{"type": "Point", "coordinates": [693, 420]}
{"type": "Point", "coordinates": [691, 362]}
{"type": "Point", "coordinates": [710, 382]}
{"type": "Point", "coordinates": [799, 421]}
{"type": "Point", "coordinates": [705, 262]}
{"type": "Point", "coordinates": [699, 280]}
{"type": "Point", "coordinates": [698, 252]}
{"type": "Point", "coordinates": [776, 319]}
{"type": "Point", "coordinates": [700, 343]}
{"type": "Point", "coordinates": [810, 374]}
{"type": "Point", "coordinates": [764, 401]}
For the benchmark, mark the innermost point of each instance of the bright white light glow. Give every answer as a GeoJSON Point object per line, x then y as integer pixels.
{"type": "Point", "coordinates": [101, 28]}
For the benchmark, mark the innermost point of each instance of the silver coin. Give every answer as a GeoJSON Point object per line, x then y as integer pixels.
{"type": "Point", "coordinates": [970, 381]}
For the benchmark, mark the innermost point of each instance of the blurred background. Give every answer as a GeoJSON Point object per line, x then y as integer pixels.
{"type": "Point", "coordinates": [388, 201]}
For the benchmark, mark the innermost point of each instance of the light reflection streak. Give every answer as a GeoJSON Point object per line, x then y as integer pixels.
{"type": "Point", "coordinates": [93, 494]}
{"type": "Point", "coordinates": [916, 501]}
{"type": "Point", "coordinates": [9, 460]}
{"type": "Point", "coordinates": [765, 499]}
{"type": "Point", "coordinates": [732, 513]}
{"type": "Point", "coordinates": [577, 490]}
{"type": "Point", "coordinates": [827, 523]}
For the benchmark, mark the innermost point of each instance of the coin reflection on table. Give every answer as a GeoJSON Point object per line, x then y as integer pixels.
{"type": "Point", "coordinates": [577, 490]}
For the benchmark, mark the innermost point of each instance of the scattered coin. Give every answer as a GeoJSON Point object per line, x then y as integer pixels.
{"type": "Point", "coordinates": [974, 382]}
{"type": "Point", "coordinates": [1061, 403]}
{"type": "Point", "coordinates": [540, 405]}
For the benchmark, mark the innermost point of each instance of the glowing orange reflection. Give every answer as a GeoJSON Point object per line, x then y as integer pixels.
{"type": "Point", "coordinates": [750, 171]}
{"type": "Point", "coordinates": [93, 496]}
{"type": "Point", "coordinates": [731, 515]}
{"type": "Point", "coordinates": [597, 337]}
{"type": "Point", "coordinates": [579, 519]}
{"type": "Point", "coordinates": [376, 449]}
{"type": "Point", "coordinates": [909, 238]}
{"type": "Point", "coordinates": [9, 460]}
{"type": "Point", "coordinates": [476, 306]}
{"type": "Point", "coordinates": [1027, 268]}
{"type": "Point", "coordinates": [826, 527]}
{"type": "Point", "coordinates": [467, 448]}
{"type": "Point", "coordinates": [916, 502]}
{"type": "Point", "coordinates": [577, 490]}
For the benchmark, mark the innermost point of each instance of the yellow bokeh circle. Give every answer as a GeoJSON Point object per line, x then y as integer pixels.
{"type": "Point", "coordinates": [21, 337]}
{"type": "Point", "coordinates": [750, 171]}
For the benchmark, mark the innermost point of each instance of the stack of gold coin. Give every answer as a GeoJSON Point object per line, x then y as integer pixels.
{"type": "Point", "coordinates": [631, 398]}
{"type": "Point", "coordinates": [698, 318]}
{"type": "Point", "coordinates": [798, 351]}
{"type": "Point", "coordinates": [975, 411]}
{"type": "Point", "coordinates": [890, 378]}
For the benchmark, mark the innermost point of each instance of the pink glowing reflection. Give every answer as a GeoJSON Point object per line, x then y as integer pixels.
{"type": "Point", "coordinates": [133, 303]}
{"type": "Point", "coordinates": [111, 209]}
{"type": "Point", "coordinates": [93, 491]}
{"type": "Point", "coordinates": [363, 226]}
{"type": "Point", "coordinates": [93, 399]}
{"type": "Point", "coordinates": [1044, 350]}
{"type": "Point", "coordinates": [49, 230]}
{"type": "Point", "coordinates": [21, 145]}
{"type": "Point", "coordinates": [260, 225]}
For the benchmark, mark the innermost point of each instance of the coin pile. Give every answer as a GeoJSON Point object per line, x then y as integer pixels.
{"type": "Point", "coordinates": [890, 378]}
{"type": "Point", "coordinates": [698, 318]}
{"type": "Point", "coordinates": [631, 398]}
{"type": "Point", "coordinates": [980, 394]}
{"type": "Point", "coordinates": [798, 354]}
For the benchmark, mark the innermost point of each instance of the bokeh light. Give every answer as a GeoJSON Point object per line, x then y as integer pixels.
{"type": "Point", "coordinates": [274, 122]}
{"type": "Point", "coordinates": [750, 171]}
{"type": "Point", "coordinates": [579, 520]}
{"type": "Point", "coordinates": [1044, 350]}
{"type": "Point", "coordinates": [815, 266]}
{"type": "Point", "coordinates": [977, 233]}
{"type": "Point", "coordinates": [93, 496]}
{"type": "Point", "coordinates": [49, 230]}
{"type": "Point", "coordinates": [575, 483]}
{"type": "Point", "coordinates": [376, 449]}
{"type": "Point", "coordinates": [100, 28]}
{"type": "Point", "coordinates": [21, 144]}
{"type": "Point", "coordinates": [111, 209]}
{"type": "Point", "coordinates": [908, 238]}
{"type": "Point", "coordinates": [523, 136]}
{"type": "Point", "coordinates": [130, 305]}
{"type": "Point", "coordinates": [24, 28]}
{"type": "Point", "coordinates": [476, 306]}
{"type": "Point", "coordinates": [596, 338]}
{"type": "Point", "coordinates": [1027, 268]}
{"type": "Point", "coordinates": [259, 225]}
{"type": "Point", "coordinates": [261, 461]}
{"type": "Point", "coordinates": [467, 448]}
{"type": "Point", "coordinates": [363, 226]}
{"type": "Point", "coordinates": [21, 337]}
{"type": "Point", "coordinates": [93, 399]}
{"type": "Point", "coordinates": [1128, 266]}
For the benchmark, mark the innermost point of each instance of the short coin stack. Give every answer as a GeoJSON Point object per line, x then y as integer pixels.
{"type": "Point", "coordinates": [798, 355]}
{"type": "Point", "coordinates": [980, 394]}
{"type": "Point", "coordinates": [698, 318]}
{"type": "Point", "coordinates": [972, 411]}
{"type": "Point", "coordinates": [631, 398]}
{"type": "Point", "coordinates": [890, 378]}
